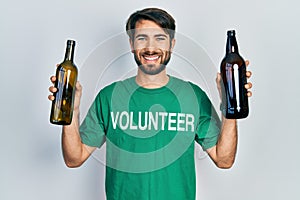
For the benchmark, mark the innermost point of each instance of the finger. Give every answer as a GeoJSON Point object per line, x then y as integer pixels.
{"type": "Point", "coordinates": [78, 86]}
{"type": "Point", "coordinates": [78, 89]}
{"type": "Point", "coordinates": [52, 89]}
{"type": "Point", "coordinates": [247, 62]}
{"type": "Point", "coordinates": [248, 85]}
{"type": "Point", "coordinates": [51, 97]}
{"type": "Point", "coordinates": [53, 79]}
{"type": "Point", "coordinates": [249, 93]}
{"type": "Point", "coordinates": [218, 78]}
{"type": "Point", "coordinates": [219, 84]}
{"type": "Point", "coordinates": [248, 74]}
{"type": "Point", "coordinates": [218, 81]}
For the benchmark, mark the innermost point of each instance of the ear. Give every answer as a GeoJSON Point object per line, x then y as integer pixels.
{"type": "Point", "coordinates": [131, 45]}
{"type": "Point", "coordinates": [172, 44]}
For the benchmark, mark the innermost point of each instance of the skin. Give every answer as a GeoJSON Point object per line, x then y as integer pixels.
{"type": "Point", "coordinates": [152, 49]}
{"type": "Point", "coordinates": [150, 41]}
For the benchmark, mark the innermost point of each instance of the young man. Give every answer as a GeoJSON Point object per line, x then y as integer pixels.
{"type": "Point", "coordinates": [150, 122]}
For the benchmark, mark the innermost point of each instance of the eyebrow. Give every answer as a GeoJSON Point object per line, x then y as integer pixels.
{"type": "Point", "coordinates": [141, 35]}
{"type": "Point", "coordinates": [145, 35]}
{"type": "Point", "coordinates": [160, 35]}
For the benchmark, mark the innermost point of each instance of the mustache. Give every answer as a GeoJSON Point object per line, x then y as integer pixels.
{"type": "Point", "coordinates": [151, 52]}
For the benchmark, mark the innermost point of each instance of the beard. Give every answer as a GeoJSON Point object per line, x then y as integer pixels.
{"type": "Point", "coordinates": [152, 69]}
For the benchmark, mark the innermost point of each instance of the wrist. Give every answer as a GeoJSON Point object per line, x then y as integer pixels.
{"type": "Point", "coordinates": [76, 111]}
{"type": "Point", "coordinates": [223, 109]}
{"type": "Point", "coordinates": [75, 120]}
{"type": "Point", "coordinates": [228, 121]}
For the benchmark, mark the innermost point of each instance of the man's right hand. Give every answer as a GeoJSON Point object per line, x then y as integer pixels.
{"type": "Point", "coordinates": [52, 89]}
{"type": "Point", "coordinates": [78, 93]}
{"type": "Point", "coordinates": [74, 151]}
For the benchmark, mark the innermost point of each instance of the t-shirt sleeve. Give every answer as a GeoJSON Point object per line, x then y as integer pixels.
{"type": "Point", "coordinates": [92, 131]}
{"type": "Point", "coordinates": [209, 124]}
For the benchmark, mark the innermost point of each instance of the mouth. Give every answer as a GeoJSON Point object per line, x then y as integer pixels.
{"type": "Point", "coordinates": [151, 58]}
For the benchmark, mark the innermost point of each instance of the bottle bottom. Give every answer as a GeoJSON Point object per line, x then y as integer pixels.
{"type": "Point", "coordinates": [241, 115]}
{"type": "Point", "coordinates": [60, 122]}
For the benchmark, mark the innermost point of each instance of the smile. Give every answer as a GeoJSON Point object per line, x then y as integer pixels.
{"type": "Point", "coordinates": [151, 58]}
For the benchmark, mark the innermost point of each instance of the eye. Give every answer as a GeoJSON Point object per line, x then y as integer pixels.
{"type": "Point", "coordinates": [141, 38]}
{"type": "Point", "coordinates": [160, 38]}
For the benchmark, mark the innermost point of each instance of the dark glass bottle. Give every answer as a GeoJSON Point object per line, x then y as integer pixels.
{"type": "Point", "coordinates": [233, 71]}
{"type": "Point", "coordinates": [66, 78]}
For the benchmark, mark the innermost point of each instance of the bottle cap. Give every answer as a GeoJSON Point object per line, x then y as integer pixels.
{"type": "Point", "coordinates": [71, 42]}
{"type": "Point", "coordinates": [231, 33]}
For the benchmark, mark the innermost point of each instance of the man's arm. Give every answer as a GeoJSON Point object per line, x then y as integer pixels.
{"type": "Point", "coordinates": [74, 151]}
{"type": "Point", "coordinates": [223, 153]}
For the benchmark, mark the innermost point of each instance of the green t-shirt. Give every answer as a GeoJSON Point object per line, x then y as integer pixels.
{"type": "Point", "coordinates": [149, 135]}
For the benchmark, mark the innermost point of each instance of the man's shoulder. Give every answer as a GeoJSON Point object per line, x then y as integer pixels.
{"type": "Point", "coordinates": [180, 83]}
{"type": "Point", "coordinates": [117, 85]}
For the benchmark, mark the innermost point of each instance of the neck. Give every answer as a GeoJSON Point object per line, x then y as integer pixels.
{"type": "Point", "coordinates": [152, 81]}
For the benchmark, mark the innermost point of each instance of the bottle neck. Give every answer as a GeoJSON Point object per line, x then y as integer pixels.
{"type": "Point", "coordinates": [231, 46]}
{"type": "Point", "coordinates": [69, 55]}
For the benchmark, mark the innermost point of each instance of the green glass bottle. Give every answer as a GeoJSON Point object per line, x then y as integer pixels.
{"type": "Point", "coordinates": [233, 72]}
{"type": "Point", "coordinates": [66, 78]}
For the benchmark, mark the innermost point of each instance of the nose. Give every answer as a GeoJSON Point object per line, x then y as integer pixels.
{"type": "Point", "coordinates": [150, 45]}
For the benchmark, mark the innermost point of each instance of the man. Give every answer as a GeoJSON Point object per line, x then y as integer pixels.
{"type": "Point", "coordinates": [150, 122]}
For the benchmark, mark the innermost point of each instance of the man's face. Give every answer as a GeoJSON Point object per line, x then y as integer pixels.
{"type": "Point", "coordinates": [151, 46]}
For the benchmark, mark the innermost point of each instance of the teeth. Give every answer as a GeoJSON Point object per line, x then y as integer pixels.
{"type": "Point", "coordinates": [151, 58]}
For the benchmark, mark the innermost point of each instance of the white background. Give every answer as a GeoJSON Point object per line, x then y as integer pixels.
{"type": "Point", "coordinates": [32, 40]}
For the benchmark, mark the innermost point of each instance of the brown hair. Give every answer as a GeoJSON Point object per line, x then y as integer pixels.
{"type": "Point", "coordinates": [159, 16]}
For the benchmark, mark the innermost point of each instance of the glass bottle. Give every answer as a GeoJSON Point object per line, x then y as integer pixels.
{"type": "Point", "coordinates": [233, 71]}
{"type": "Point", "coordinates": [66, 78]}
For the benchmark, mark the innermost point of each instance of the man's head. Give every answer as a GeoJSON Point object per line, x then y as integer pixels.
{"type": "Point", "coordinates": [159, 16]}
{"type": "Point", "coordinates": [151, 35]}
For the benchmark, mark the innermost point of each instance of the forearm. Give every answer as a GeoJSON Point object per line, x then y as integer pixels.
{"type": "Point", "coordinates": [223, 153]}
{"type": "Point", "coordinates": [71, 142]}
{"type": "Point", "coordinates": [227, 143]}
